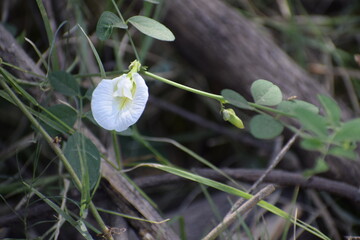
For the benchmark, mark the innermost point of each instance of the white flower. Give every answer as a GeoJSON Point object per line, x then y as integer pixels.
{"type": "Point", "coordinates": [118, 103]}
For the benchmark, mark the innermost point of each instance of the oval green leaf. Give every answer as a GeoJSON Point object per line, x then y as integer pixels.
{"type": "Point", "coordinates": [265, 127]}
{"type": "Point", "coordinates": [349, 131]}
{"type": "Point", "coordinates": [290, 106]}
{"type": "Point", "coordinates": [235, 99]}
{"type": "Point", "coordinates": [320, 167]}
{"type": "Point", "coordinates": [313, 144]}
{"type": "Point", "coordinates": [342, 152]}
{"type": "Point", "coordinates": [312, 122]}
{"type": "Point", "coordinates": [266, 93]}
{"type": "Point", "coordinates": [106, 23]}
{"type": "Point", "coordinates": [79, 148]}
{"type": "Point", "coordinates": [332, 109]}
{"type": "Point", "coordinates": [151, 28]}
{"type": "Point", "coordinates": [64, 83]}
{"type": "Point", "coordinates": [59, 119]}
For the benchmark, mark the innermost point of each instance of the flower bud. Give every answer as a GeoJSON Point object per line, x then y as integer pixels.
{"type": "Point", "coordinates": [230, 116]}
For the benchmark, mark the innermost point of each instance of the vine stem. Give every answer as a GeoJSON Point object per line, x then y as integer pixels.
{"type": "Point", "coordinates": [54, 146]}
{"type": "Point", "coordinates": [217, 97]}
{"type": "Point", "coordinates": [220, 98]}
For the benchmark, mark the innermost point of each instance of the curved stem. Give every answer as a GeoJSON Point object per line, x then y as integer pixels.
{"type": "Point", "coordinates": [220, 98]}
{"type": "Point", "coordinates": [55, 147]}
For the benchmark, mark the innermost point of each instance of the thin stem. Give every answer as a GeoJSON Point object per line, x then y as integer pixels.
{"type": "Point", "coordinates": [186, 88]}
{"type": "Point", "coordinates": [117, 150]}
{"type": "Point", "coordinates": [269, 109]}
{"type": "Point", "coordinates": [133, 45]}
{"type": "Point", "coordinates": [47, 137]}
{"type": "Point", "coordinates": [118, 11]}
{"type": "Point", "coordinates": [220, 98]}
{"type": "Point", "coordinates": [22, 70]}
{"type": "Point", "coordinates": [229, 219]}
{"type": "Point", "coordinates": [50, 35]}
{"type": "Point", "coordinates": [55, 148]}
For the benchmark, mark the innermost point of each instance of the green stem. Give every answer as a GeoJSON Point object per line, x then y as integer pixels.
{"type": "Point", "coordinates": [220, 98]}
{"type": "Point", "coordinates": [55, 148]}
{"type": "Point", "coordinates": [133, 45]}
{"type": "Point", "coordinates": [118, 11]}
{"type": "Point", "coordinates": [117, 150]}
{"type": "Point", "coordinates": [22, 70]}
{"type": "Point", "coordinates": [99, 219]}
{"type": "Point", "coordinates": [50, 35]}
{"type": "Point", "coordinates": [269, 109]}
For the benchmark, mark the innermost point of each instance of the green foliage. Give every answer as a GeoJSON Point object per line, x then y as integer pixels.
{"type": "Point", "coordinates": [64, 83]}
{"type": "Point", "coordinates": [153, 1]}
{"type": "Point", "coordinates": [151, 28]}
{"type": "Point", "coordinates": [80, 159]}
{"type": "Point", "coordinates": [78, 224]}
{"type": "Point", "coordinates": [147, 26]}
{"type": "Point", "coordinates": [265, 127]}
{"type": "Point", "coordinates": [320, 167]}
{"type": "Point", "coordinates": [83, 157]}
{"type": "Point", "coordinates": [266, 93]}
{"type": "Point", "coordinates": [323, 133]}
{"type": "Point", "coordinates": [313, 123]}
{"type": "Point", "coordinates": [348, 131]}
{"type": "Point", "coordinates": [290, 106]}
{"type": "Point", "coordinates": [332, 110]}
{"type": "Point", "coordinates": [106, 23]}
{"type": "Point", "coordinates": [60, 118]}
{"type": "Point", "coordinates": [235, 99]}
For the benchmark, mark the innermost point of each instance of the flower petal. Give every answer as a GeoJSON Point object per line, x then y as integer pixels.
{"type": "Point", "coordinates": [106, 106]}
{"type": "Point", "coordinates": [102, 104]}
{"type": "Point", "coordinates": [132, 112]}
{"type": "Point", "coordinates": [124, 86]}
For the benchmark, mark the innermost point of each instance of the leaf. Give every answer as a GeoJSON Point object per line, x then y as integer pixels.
{"type": "Point", "coordinates": [66, 117]}
{"type": "Point", "coordinates": [79, 225]}
{"type": "Point", "coordinates": [79, 148]}
{"type": "Point", "coordinates": [265, 127]}
{"type": "Point", "coordinates": [320, 167]}
{"type": "Point", "coordinates": [312, 122]}
{"type": "Point", "coordinates": [237, 192]}
{"type": "Point", "coordinates": [106, 23]}
{"type": "Point", "coordinates": [151, 28]}
{"type": "Point", "coordinates": [235, 99]}
{"type": "Point", "coordinates": [349, 131]}
{"type": "Point", "coordinates": [342, 152]}
{"type": "Point", "coordinates": [312, 144]}
{"type": "Point", "coordinates": [64, 83]}
{"type": "Point", "coordinates": [97, 57]}
{"type": "Point", "coordinates": [152, 1]}
{"type": "Point", "coordinates": [266, 93]}
{"type": "Point", "coordinates": [332, 109]}
{"type": "Point", "coordinates": [289, 107]}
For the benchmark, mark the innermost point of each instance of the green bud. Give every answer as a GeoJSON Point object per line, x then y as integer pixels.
{"type": "Point", "coordinates": [230, 116]}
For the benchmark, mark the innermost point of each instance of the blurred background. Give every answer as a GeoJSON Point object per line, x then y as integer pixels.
{"type": "Point", "coordinates": [305, 47]}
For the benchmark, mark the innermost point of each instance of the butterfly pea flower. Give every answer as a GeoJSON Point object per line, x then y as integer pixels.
{"type": "Point", "coordinates": [118, 103]}
{"type": "Point", "coordinates": [230, 116]}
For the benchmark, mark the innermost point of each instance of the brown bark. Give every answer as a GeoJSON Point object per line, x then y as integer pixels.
{"type": "Point", "coordinates": [232, 51]}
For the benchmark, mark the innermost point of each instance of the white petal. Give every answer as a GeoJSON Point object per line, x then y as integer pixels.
{"type": "Point", "coordinates": [102, 104]}
{"type": "Point", "coordinates": [124, 87]}
{"type": "Point", "coordinates": [106, 108]}
{"type": "Point", "coordinates": [132, 112]}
